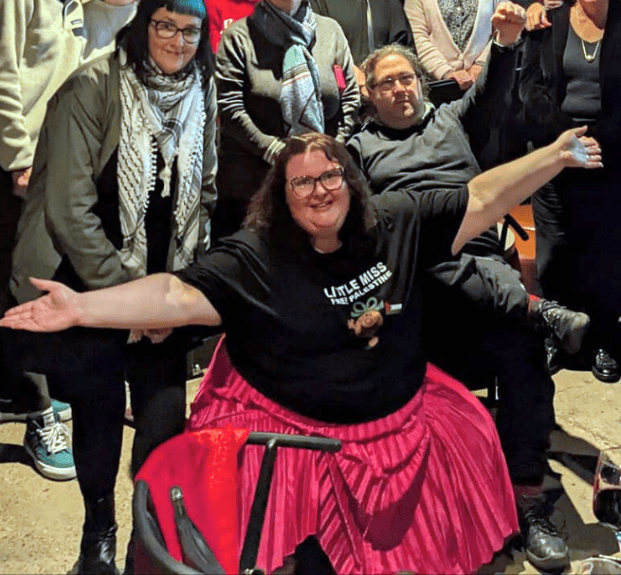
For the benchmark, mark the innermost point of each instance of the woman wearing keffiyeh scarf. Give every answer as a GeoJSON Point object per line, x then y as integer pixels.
{"type": "Point", "coordinates": [124, 185]}
{"type": "Point", "coordinates": [281, 71]}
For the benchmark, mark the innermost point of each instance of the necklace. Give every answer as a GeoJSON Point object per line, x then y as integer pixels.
{"type": "Point", "coordinates": [590, 57]}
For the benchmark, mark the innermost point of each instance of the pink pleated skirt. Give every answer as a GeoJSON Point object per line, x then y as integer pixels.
{"type": "Point", "coordinates": [425, 489]}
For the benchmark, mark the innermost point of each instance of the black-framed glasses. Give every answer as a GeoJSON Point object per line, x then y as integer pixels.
{"type": "Point", "coordinates": [304, 186]}
{"type": "Point", "coordinates": [167, 30]}
{"type": "Point", "coordinates": [387, 84]}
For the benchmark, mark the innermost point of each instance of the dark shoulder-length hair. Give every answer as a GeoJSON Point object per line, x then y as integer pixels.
{"type": "Point", "coordinates": [269, 213]}
{"type": "Point", "coordinates": [134, 37]}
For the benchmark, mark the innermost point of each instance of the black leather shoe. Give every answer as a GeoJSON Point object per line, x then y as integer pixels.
{"type": "Point", "coordinates": [567, 327]}
{"type": "Point", "coordinates": [605, 367]}
{"type": "Point", "coordinates": [545, 548]}
{"type": "Point", "coordinates": [97, 552]}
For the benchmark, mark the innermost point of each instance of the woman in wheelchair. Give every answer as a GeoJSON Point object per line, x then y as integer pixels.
{"type": "Point", "coordinates": [319, 297]}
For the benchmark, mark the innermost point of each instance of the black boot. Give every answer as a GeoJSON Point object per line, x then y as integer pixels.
{"type": "Point", "coordinates": [565, 326]}
{"type": "Point", "coordinates": [545, 548]}
{"type": "Point", "coordinates": [98, 546]}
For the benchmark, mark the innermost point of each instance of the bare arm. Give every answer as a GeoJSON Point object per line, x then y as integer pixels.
{"type": "Point", "coordinates": [495, 192]}
{"type": "Point", "coordinates": [155, 302]}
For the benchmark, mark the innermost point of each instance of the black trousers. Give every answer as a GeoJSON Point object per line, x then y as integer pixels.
{"type": "Point", "coordinates": [473, 330]}
{"type": "Point", "coordinates": [87, 368]}
{"type": "Point", "coordinates": [28, 393]}
{"type": "Point", "coordinates": [578, 223]}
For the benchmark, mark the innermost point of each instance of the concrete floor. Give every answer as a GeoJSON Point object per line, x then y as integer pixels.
{"type": "Point", "coordinates": [41, 519]}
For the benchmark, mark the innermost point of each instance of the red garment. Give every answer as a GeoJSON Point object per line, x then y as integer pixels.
{"type": "Point", "coordinates": [222, 13]}
{"type": "Point", "coordinates": [204, 465]}
{"type": "Point", "coordinates": [425, 489]}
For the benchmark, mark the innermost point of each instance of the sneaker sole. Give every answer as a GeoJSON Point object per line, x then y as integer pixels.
{"type": "Point", "coordinates": [56, 473]}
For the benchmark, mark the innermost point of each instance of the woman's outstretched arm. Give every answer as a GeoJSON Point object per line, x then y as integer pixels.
{"type": "Point", "coordinates": [494, 192]}
{"type": "Point", "coordinates": [157, 301]}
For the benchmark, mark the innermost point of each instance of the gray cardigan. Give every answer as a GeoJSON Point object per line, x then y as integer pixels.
{"type": "Point", "coordinates": [249, 80]}
{"type": "Point", "coordinates": [80, 133]}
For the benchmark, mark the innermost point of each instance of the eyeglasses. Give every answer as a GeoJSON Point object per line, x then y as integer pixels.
{"type": "Point", "coordinates": [304, 186]}
{"type": "Point", "coordinates": [387, 84]}
{"type": "Point", "coordinates": [167, 30]}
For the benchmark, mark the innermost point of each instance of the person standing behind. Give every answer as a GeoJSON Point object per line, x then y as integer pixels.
{"type": "Point", "coordinates": [571, 75]}
{"type": "Point", "coordinates": [281, 71]}
{"type": "Point", "coordinates": [367, 25]}
{"type": "Point", "coordinates": [222, 13]}
{"type": "Point", "coordinates": [43, 42]}
{"type": "Point", "coordinates": [134, 196]}
{"type": "Point", "coordinates": [452, 37]}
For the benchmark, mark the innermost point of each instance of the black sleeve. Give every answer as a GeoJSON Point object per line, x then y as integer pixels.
{"type": "Point", "coordinates": [232, 274]}
{"type": "Point", "coordinates": [441, 214]}
{"type": "Point", "coordinates": [483, 109]}
{"type": "Point", "coordinates": [427, 220]}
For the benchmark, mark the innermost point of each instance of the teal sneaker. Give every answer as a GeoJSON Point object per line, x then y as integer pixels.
{"type": "Point", "coordinates": [9, 413]}
{"type": "Point", "coordinates": [63, 409]}
{"type": "Point", "coordinates": [47, 442]}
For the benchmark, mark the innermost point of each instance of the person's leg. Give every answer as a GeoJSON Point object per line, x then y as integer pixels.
{"type": "Point", "coordinates": [97, 395]}
{"type": "Point", "coordinates": [494, 287]}
{"type": "Point", "coordinates": [471, 344]}
{"type": "Point", "coordinates": [85, 368]}
{"type": "Point", "coordinates": [19, 392]}
{"type": "Point", "coordinates": [489, 283]}
{"type": "Point", "coordinates": [524, 419]}
{"type": "Point", "coordinates": [553, 250]}
{"type": "Point", "coordinates": [46, 439]}
{"type": "Point", "coordinates": [525, 414]}
{"type": "Point", "coordinates": [157, 378]}
{"type": "Point", "coordinates": [157, 384]}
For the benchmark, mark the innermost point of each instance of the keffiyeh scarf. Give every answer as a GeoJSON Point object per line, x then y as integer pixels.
{"type": "Point", "coordinates": [166, 114]}
{"type": "Point", "coordinates": [300, 96]}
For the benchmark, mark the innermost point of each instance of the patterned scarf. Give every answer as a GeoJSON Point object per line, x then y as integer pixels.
{"type": "Point", "coordinates": [167, 114]}
{"type": "Point", "coordinates": [300, 95]}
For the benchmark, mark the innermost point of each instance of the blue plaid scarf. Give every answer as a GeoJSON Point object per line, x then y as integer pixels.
{"type": "Point", "coordinates": [300, 95]}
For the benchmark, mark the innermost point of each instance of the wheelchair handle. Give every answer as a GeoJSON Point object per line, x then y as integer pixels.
{"type": "Point", "coordinates": [299, 441]}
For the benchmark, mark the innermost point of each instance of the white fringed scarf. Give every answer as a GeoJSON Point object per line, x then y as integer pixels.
{"type": "Point", "coordinates": [167, 115]}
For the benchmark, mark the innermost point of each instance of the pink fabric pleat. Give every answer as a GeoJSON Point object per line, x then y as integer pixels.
{"type": "Point", "coordinates": [424, 489]}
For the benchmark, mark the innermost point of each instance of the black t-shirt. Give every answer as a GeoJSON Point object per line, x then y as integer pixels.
{"type": "Point", "coordinates": [434, 154]}
{"type": "Point", "coordinates": [335, 337]}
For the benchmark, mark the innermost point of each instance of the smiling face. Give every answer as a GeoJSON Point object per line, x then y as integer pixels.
{"type": "Point", "coordinates": [323, 212]}
{"type": "Point", "coordinates": [396, 95]}
{"type": "Point", "coordinates": [173, 54]}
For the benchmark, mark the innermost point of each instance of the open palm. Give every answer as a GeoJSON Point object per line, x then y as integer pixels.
{"type": "Point", "coordinates": [55, 311]}
{"type": "Point", "coordinates": [578, 150]}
